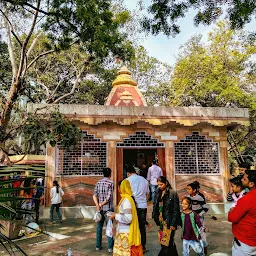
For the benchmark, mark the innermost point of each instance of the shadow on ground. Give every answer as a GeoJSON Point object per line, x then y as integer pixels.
{"type": "Point", "coordinates": [79, 235]}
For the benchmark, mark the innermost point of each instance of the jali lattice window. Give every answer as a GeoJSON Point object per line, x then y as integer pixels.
{"type": "Point", "coordinates": [196, 155]}
{"type": "Point", "coordinates": [140, 140]}
{"type": "Point", "coordinates": [88, 158]}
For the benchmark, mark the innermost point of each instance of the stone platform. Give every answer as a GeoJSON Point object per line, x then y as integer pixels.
{"type": "Point", "coordinates": [87, 212]}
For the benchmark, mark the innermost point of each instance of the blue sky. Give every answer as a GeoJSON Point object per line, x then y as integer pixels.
{"type": "Point", "coordinates": [165, 49]}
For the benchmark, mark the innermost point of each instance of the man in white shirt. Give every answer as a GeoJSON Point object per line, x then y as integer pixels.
{"type": "Point", "coordinates": [154, 172]}
{"type": "Point", "coordinates": [140, 190]}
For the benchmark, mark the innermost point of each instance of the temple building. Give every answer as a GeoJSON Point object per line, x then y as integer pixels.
{"type": "Point", "coordinates": [190, 143]}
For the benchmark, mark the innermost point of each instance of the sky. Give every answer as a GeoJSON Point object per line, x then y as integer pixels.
{"type": "Point", "coordinates": [165, 49]}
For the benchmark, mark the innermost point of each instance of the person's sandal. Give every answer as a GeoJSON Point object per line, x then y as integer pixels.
{"type": "Point", "coordinates": [145, 250]}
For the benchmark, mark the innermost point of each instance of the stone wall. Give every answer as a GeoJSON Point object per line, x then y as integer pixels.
{"type": "Point", "coordinates": [78, 190]}
{"type": "Point", "coordinates": [211, 186]}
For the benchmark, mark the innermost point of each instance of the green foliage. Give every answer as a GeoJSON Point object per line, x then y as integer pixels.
{"type": "Point", "coordinates": [167, 13]}
{"type": "Point", "coordinates": [147, 70]}
{"type": "Point", "coordinates": [122, 17]}
{"type": "Point", "coordinates": [54, 128]}
{"type": "Point", "coordinates": [5, 70]}
{"type": "Point", "coordinates": [92, 22]}
{"type": "Point", "coordinates": [218, 74]}
{"type": "Point", "coordinates": [159, 95]}
{"type": "Point", "coordinates": [96, 90]}
{"type": "Point", "coordinates": [55, 75]}
{"type": "Point", "coordinates": [96, 81]}
{"type": "Point", "coordinates": [89, 21]}
{"type": "Point", "coordinates": [151, 76]}
{"type": "Point", "coordinates": [78, 35]}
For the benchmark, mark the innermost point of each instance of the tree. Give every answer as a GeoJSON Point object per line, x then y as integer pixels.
{"type": "Point", "coordinates": [147, 70]}
{"type": "Point", "coordinates": [159, 95]}
{"type": "Point", "coordinates": [53, 79]}
{"type": "Point", "coordinates": [167, 12]}
{"type": "Point", "coordinates": [96, 83]}
{"type": "Point", "coordinates": [89, 24]}
{"type": "Point", "coordinates": [5, 69]}
{"type": "Point", "coordinates": [220, 73]}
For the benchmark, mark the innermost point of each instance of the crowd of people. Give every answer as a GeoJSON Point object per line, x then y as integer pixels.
{"type": "Point", "coordinates": [30, 191]}
{"type": "Point", "coordinates": [131, 214]}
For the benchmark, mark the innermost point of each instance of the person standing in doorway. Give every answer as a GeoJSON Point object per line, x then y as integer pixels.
{"type": "Point", "coordinates": [103, 199]}
{"type": "Point", "coordinates": [144, 171]}
{"type": "Point", "coordinates": [140, 191]}
{"type": "Point", "coordinates": [56, 197]}
{"type": "Point", "coordinates": [154, 172]}
{"type": "Point", "coordinates": [243, 218]}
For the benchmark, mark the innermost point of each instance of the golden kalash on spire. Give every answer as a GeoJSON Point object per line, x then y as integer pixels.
{"type": "Point", "coordinates": [125, 91]}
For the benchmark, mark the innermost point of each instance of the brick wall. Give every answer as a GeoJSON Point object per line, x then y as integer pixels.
{"type": "Point", "coordinates": [88, 158]}
{"type": "Point", "coordinates": [196, 154]}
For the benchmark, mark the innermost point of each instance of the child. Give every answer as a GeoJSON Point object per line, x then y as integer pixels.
{"type": "Point", "coordinates": [197, 184]}
{"type": "Point", "coordinates": [200, 207]}
{"type": "Point", "coordinates": [190, 229]}
{"type": "Point", "coordinates": [198, 201]}
{"type": "Point", "coordinates": [237, 190]}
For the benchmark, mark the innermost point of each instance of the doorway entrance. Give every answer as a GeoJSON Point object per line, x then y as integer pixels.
{"type": "Point", "coordinates": [136, 157]}
{"type": "Point", "coordinates": [136, 149]}
{"type": "Point", "coordinates": [141, 159]}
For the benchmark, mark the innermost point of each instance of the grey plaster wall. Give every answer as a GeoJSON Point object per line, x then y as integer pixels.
{"type": "Point", "coordinates": [100, 110]}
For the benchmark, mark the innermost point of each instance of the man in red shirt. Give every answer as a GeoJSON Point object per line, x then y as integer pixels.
{"type": "Point", "coordinates": [243, 218]}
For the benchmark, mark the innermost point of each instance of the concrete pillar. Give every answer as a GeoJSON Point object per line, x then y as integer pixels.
{"type": "Point", "coordinates": [224, 168]}
{"type": "Point", "coordinates": [49, 172]}
{"type": "Point", "coordinates": [112, 164]}
{"type": "Point", "coordinates": [169, 159]}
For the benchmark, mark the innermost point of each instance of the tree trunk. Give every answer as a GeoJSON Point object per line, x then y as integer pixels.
{"type": "Point", "coordinates": [13, 95]}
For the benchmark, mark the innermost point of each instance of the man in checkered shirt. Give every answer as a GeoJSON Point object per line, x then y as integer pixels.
{"type": "Point", "coordinates": [103, 199]}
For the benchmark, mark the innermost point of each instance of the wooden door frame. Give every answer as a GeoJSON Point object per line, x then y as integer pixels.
{"type": "Point", "coordinates": [119, 170]}
{"type": "Point", "coordinates": [161, 159]}
{"type": "Point", "coordinates": [120, 162]}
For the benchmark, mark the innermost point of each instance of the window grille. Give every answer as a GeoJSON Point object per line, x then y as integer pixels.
{"type": "Point", "coordinates": [89, 157]}
{"type": "Point", "coordinates": [140, 140]}
{"type": "Point", "coordinates": [196, 155]}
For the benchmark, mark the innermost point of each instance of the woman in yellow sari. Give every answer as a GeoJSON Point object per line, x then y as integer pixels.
{"type": "Point", "coordinates": [127, 240]}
